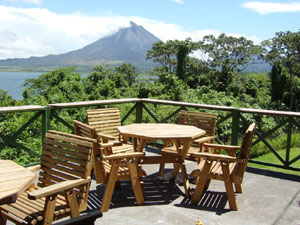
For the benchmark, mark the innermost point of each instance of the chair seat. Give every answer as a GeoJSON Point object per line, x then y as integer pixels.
{"type": "Point", "coordinates": [122, 148]}
{"type": "Point", "coordinates": [31, 211]}
{"type": "Point", "coordinates": [215, 170]}
{"type": "Point", "coordinates": [123, 172]}
{"type": "Point", "coordinates": [173, 150]}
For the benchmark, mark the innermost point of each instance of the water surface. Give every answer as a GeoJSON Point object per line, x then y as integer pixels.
{"type": "Point", "coordinates": [12, 82]}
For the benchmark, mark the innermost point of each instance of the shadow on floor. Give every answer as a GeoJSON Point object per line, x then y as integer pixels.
{"type": "Point", "coordinates": [274, 174]}
{"type": "Point", "coordinates": [210, 201]}
{"type": "Point", "coordinates": [158, 191]}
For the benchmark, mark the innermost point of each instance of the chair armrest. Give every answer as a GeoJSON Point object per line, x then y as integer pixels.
{"type": "Point", "coordinates": [105, 136]}
{"type": "Point", "coordinates": [110, 144]}
{"type": "Point", "coordinates": [204, 139]}
{"type": "Point", "coordinates": [34, 168]}
{"type": "Point", "coordinates": [124, 155]}
{"type": "Point", "coordinates": [216, 157]}
{"type": "Point", "coordinates": [225, 147]}
{"type": "Point", "coordinates": [56, 188]}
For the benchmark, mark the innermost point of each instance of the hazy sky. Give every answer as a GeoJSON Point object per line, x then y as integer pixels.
{"type": "Point", "coordinates": [42, 27]}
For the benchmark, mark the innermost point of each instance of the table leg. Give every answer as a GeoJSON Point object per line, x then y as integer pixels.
{"type": "Point", "coordinates": [182, 153]}
{"type": "Point", "coordinates": [135, 144]}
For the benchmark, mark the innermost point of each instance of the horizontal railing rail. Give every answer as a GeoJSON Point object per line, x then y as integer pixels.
{"type": "Point", "coordinates": [143, 108]}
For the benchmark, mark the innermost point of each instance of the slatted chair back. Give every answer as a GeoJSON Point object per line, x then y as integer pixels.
{"type": "Point", "coordinates": [204, 121]}
{"type": "Point", "coordinates": [240, 167]}
{"type": "Point", "coordinates": [90, 132]}
{"type": "Point", "coordinates": [105, 120]}
{"type": "Point", "coordinates": [113, 168]}
{"type": "Point", "coordinates": [228, 168]}
{"type": "Point", "coordinates": [65, 157]}
{"type": "Point", "coordinates": [63, 184]}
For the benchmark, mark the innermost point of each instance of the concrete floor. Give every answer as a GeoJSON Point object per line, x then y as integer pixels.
{"type": "Point", "coordinates": [268, 198]}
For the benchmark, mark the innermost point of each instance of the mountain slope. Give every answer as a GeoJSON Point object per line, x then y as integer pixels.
{"type": "Point", "coordinates": [127, 45]}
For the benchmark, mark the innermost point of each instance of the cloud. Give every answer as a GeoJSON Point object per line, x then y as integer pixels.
{"type": "Point", "coordinates": [264, 8]}
{"type": "Point", "coordinates": [178, 1]}
{"type": "Point", "coordinates": [28, 32]}
{"type": "Point", "coordinates": [12, 45]}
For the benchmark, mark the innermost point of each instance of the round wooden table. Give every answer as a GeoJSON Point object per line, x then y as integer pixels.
{"type": "Point", "coordinates": [182, 135]}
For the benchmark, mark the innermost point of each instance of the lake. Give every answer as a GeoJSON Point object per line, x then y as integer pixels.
{"type": "Point", "coordinates": [12, 82]}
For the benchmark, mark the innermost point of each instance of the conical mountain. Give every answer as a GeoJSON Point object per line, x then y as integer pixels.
{"type": "Point", "coordinates": [128, 45]}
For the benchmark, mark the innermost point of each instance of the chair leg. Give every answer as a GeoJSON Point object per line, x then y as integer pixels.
{"type": "Point", "coordinates": [72, 202]}
{"type": "Point", "coordinates": [49, 209]}
{"type": "Point", "coordinates": [207, 184]}
{"type": "Point", "coordinates": [3, 219]}
{"type": "Point", "coordinates": [161, 169]}
{"type": "Point", "coordinates": [110, 186]}
{"type": "Point", "coordinates": [201, 182]}
{"type": "Point", "coordinates": [185, 180]}
{"type": "Point", "coordinates": [137, 188]}
{"type": "Point", "coordinates": [238, 188]}
{"type": "Point", "coordinates": [228, 186]}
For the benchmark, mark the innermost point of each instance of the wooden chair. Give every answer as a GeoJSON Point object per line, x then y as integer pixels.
{"type": "Point", "coordinates": [114, 167]}
{"type": "Point", "coordinates": [106, 121]}
{"type": "Point", "coordinates": [228, 168]}
{"type": "Point", "coordinates": [63, 184]}
{"type": "Point", "coordinates": [205, 121]}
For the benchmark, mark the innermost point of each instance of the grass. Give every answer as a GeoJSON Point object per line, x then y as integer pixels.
{"type": "Point", "coordinates": [271, 158]}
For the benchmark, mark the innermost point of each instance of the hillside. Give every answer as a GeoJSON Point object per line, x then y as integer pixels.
{"type": "Point", "coordinates": [128, 45]}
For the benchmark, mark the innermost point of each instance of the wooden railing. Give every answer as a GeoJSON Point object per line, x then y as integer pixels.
{"type": "Point", "coordinates": [145, 108]}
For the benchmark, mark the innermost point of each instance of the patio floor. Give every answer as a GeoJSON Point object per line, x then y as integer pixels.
{"type": "Point", "coordinates": [268, 198]}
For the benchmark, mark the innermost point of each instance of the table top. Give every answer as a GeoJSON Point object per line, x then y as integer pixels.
{"type": "Point", "coordinates": [14, 179]}
{"type": "Point", "coordinates": [161, 131]}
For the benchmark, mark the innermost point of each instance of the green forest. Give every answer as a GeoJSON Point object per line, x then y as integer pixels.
{"type": "Point", "coordinates": [214, 77]}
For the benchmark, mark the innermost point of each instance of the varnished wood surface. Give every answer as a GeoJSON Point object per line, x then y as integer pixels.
{"type": "Point", "coordinates": [14, 179]}
{"type": "Point", "coordinates": [158, 131]}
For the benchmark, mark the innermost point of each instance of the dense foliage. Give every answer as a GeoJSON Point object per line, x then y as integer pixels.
{"type": "Point", "coordinates": [217, 79]}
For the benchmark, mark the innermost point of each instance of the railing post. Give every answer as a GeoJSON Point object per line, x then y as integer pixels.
{"type": "Point", "coordinates": [235, 126]}
{"type": "Point", "coordinates": [46, 121]}
{"type": "Point", "coordinates": [289, 141]}
{"type": "Point", "coordinates": [139, 112]}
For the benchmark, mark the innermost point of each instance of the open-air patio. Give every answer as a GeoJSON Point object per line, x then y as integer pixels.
{"type": "Point", "coordinates": [267, 198]}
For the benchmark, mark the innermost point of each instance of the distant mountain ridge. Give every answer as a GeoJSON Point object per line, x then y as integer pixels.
{"type": "Point", "coordinates": [128, 45]}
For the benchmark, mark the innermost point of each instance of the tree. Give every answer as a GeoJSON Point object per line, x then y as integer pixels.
{"type": "Point", "coordinates": [278, 82]}
{"type": "Point", "coordinates": [284, 50]}
{"type": "Point", "coordinates": [97, 84]}
{"type": "Point", "coordinates": [172, 55]}
{"type": "Point", "coordinates": [61, 85]}
{"type": "Point", "coordinates": [163, 53]}
{"type": "Point", "coordinates": [128, 72]}
{"type": "Point", "coordinates": [228, 54]}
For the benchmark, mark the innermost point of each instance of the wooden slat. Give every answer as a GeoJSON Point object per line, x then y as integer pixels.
{"type": "Point", "coordinates": [64, 169]}
{"type": "Point", "coordinates": [65, 154]}
{"type": "Point", "coordinates": [64, 163]}
{"type": "Point", "coordinates": [81, 142]}
{"type": "Point", "coordinates": [78, 148]}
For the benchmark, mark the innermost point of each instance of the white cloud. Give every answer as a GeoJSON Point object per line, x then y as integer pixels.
{"type": "Point", "coordinates": [264, 8]}
{"type": "Point", "coordinates": [12, 44]}
{"type": "Point", "coordinates": [39, 32]}
{"type": "Point", "coordinates": [178, 1]}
